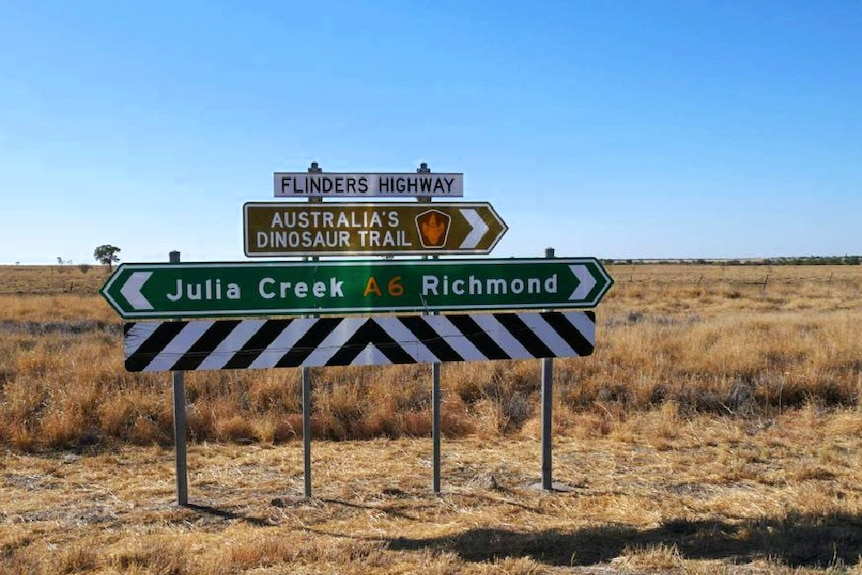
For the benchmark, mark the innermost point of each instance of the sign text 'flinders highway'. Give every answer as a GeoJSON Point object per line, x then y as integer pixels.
{"type": "Point", "coordinates": [344, 228]}
{"type": "Point", "coordinates": [305, 184]}
{"type": "Point", "coordinates": [166, 291]}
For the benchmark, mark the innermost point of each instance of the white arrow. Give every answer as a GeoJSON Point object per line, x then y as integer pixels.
{"type": "Point", "coordinates": [479, 228]}
{"type": "Point", "coordinates": [586, 281]}
{"type": "Point", "coordinates": [131, 290]}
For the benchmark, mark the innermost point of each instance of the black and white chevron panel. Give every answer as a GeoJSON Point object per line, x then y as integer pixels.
{"type": "Point", "coordinates": [328, 341]}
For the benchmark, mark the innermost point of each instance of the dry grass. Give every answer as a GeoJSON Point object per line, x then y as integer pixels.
{"type": "Point", "coordinates": [79, 279]}
{"type": "Point", "coordinates": [739, 341]}
{"type": "Point", "coordinates": [715, 430]}
{"type": "Point", "coordinates": [711, 496]}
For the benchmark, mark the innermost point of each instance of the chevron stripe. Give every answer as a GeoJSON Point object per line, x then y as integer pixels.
{"type": "Point", "coordinates": [312, 342]}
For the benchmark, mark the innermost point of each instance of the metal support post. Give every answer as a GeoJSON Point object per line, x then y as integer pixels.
{"type": "Point", "coordinates": [179, 397]}
{"type": "Point", "coordinates": [436, 403]}
{"type": "Point", "coordinates": [547, 409]}
{"type": "Point", "coordinates": [306, 385]}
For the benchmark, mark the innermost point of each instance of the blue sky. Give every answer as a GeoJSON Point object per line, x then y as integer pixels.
{"type": "Point", "coordinates": [615, 129]}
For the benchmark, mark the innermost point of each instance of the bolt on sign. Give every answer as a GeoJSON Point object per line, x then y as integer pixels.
{"type": "Point", "coordinates": [274, 229]}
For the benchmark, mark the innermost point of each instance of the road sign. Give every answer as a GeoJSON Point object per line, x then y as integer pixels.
{"type": "Point", "coordinates": [199, 345]}
{"type": "Point", "coordinates": [285, 288]}
{"type": "Point", "coordinates": [367, 185]}
{"type": "Point", "coordinates": [379, 228]}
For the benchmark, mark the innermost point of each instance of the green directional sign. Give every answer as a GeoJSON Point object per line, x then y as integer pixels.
{"type": "Point", "coordinates": [240, 289]}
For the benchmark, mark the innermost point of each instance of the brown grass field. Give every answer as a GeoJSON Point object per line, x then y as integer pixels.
{"type": "Point", "coordinates": [716, 429]}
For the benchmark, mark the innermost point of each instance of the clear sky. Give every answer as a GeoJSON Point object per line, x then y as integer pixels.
{"type": "Point", "coordinates": [615, 129]}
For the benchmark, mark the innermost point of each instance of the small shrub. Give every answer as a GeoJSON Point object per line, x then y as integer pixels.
{"type": "Point", "coordinates": [146, 431]}
{"type": "Point", "coordinates": [77, 559]}
{"type": "Point", "coordinates": [417, 424]}
{"type": "Point", "coordinates": [285, 429]}
{"type": "Point", "coordinates": [156, 557]}
{"type": "Point", "coordinates": [237, 428]}
{"type": "Point", "coordinates": [515, 410]}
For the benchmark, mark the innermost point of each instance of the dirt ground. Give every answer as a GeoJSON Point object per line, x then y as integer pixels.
{"type": "Point", "coordinates": [702, 496]}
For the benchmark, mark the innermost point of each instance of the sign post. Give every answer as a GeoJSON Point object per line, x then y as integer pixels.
{"type": "Point", "coordinates": [180, 292]}
{"type": "Point", "coordinates": [306, 388]}
{"type": "Point", "coordinates": [436, 401]}
{"type": "Point", "coordinates": [179, 408]}
{"type": "Point", "coordinates": [547, 416]}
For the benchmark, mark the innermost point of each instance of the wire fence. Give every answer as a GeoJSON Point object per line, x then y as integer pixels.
{"type": "Point", "coordinates": [68, 280]}
{"type": "Point", "coordinates": [763, 281]}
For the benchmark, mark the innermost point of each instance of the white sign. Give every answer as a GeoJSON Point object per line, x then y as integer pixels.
{"type": "Point", "coordinates": [396, 185]}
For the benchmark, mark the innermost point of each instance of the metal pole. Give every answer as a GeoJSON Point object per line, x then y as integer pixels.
{"type": "Point", "coordinates": [179, 396]}
{"type": "Point", "coordinates": [435, 425]}
{"type": "Point", "coordinates": [306, 385]}
{"type": "Point", "coordinates": [435, 391]}
{"type": "Point", "coordinates": [547, 408]}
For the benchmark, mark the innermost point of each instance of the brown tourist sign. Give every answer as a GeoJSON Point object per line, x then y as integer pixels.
{"type": "Point", "coordinates": [273, 229]}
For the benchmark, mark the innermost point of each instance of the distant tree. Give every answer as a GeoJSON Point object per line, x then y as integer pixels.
{"type": "Point", "coordinates": [62, 263]}
{"type": "Point", "coordinates": [106, 255]}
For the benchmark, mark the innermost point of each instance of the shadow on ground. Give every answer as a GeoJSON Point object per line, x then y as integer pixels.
{"type": "Point", "coordinates": [227, 515]}
{"type": "Point", "coordinates": [797, 541]}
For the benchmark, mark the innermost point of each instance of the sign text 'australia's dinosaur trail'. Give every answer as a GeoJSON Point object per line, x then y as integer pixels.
{"type": "Point", "coordinates": [167, 291]}
{"type": "Point", "coordinates": [370, 228]}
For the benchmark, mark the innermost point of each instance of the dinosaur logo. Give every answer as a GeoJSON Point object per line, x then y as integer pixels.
{"type": "Point", "coordinates": [433, 227]}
